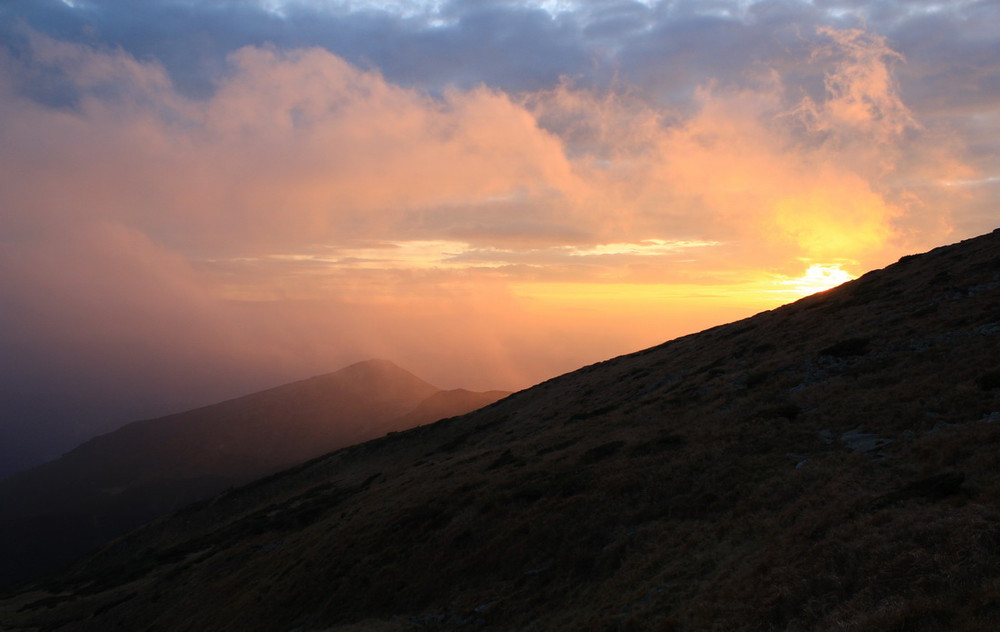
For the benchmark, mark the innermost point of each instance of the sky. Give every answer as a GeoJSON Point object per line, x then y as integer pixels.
{"type": "Point", "coordinates": [200, 199]}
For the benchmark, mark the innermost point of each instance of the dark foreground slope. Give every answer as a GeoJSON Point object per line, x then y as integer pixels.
{"type": "Point", "coordinates": [829, 465]}
{"type": "Point", "coordinates": [120, 480]}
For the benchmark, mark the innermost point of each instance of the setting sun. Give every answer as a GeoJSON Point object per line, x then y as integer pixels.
{"type": "Point", "coordinates": [818, 277]}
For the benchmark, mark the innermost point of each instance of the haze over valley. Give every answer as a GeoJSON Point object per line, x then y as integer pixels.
{"type": "Point", "coordinates": [115, 482]}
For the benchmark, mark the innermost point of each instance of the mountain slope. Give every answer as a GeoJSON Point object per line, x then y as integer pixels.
{"type": "Point", "coordinates": [445, 404]}
{"type": "Point", "coordinates": [117, 481]}
{"type": "Point", "coordinates": [831, 464]}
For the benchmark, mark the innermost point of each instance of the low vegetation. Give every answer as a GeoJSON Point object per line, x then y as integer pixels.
{"type": "Point", "coordinates": [829, 465]}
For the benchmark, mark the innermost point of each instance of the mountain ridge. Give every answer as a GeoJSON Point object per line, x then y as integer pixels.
{"type": "Point", "coordinates": [829, 464]}
{"type": "Point", "coordinates": [118, 480]}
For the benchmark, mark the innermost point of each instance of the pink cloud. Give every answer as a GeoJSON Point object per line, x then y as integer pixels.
{"type": "Point", "coordinates": [143, 231]}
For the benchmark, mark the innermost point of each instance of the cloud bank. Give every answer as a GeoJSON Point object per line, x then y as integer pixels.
{"type": "Point", "coordinates": [200, 199]}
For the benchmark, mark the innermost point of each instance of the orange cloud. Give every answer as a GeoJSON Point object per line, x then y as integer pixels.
{"type": "Point", "coordinates": [310, 213]}
{"type": "Point", "coordinates": [809, 176]}
{"type": "Point", "coordinates": [861, 94]}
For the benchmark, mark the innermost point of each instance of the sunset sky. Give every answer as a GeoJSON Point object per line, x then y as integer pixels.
{"type": "Point", "coordinates": [199, 199]}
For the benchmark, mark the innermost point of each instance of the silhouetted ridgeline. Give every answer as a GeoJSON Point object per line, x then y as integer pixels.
{"type": "Point", "coordinates": [831, 464]}
{"type": "Point", "coordinates": [118, 481]}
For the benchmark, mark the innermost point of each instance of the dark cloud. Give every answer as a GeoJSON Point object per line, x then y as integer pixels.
{"type": "Point", "coordinates": [666, 48]}
{"type": "Point", "coordinates": [499, 44]}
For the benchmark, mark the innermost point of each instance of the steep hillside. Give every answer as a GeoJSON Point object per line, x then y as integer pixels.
{"type": "Point", "coordinates": [120, 480]}
{"type": "Point", "coordinates": [444, 404]}
{"type": "Point", "coordinates": [829, 465]}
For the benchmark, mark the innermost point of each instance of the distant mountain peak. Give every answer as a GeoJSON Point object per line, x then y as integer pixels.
{"type": "Point", "coordinates": [374, 364]}
{"type": "Point", "coordinates": [155, 465]}
{"type": "Point", "coordinates": [377, 368]}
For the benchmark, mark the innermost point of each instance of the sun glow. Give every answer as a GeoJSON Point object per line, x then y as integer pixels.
{"type": "Point", "coordinates": [818, 277]}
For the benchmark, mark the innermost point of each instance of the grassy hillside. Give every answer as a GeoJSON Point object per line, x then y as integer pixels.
{"type": "Point", "coordinates": [829, 465]}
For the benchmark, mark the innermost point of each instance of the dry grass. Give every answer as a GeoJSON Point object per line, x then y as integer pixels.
{"type": "Point", "coordinates": [700, 485]}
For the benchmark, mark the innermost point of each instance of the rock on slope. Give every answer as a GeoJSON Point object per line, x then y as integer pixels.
{"type": "Point", "coordinates": [831, 464]}
{"type": "Point", "coordinates": [117, 481]}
